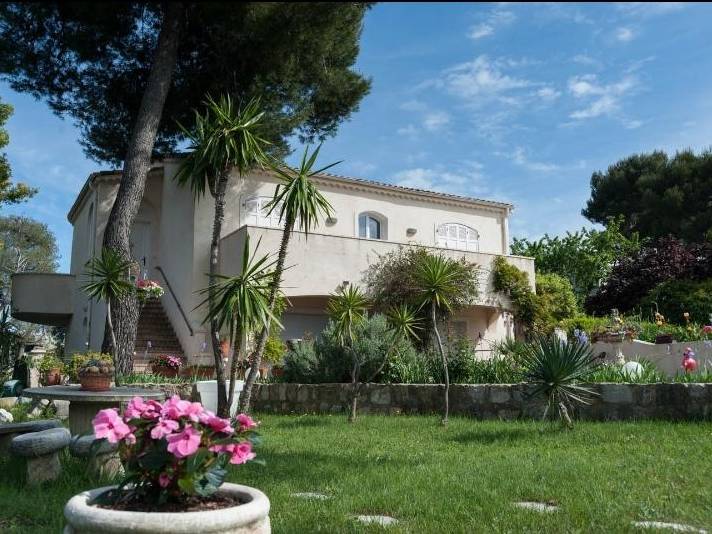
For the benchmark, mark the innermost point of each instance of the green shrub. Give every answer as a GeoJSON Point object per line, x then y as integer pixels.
{"type": "Point", "coordinates": [677, 297]}
{"type": "Point", "coordinates": [613, 372]}
{"type": "Point", "coordinates": [555, 301]}
{"type": "Point", "coordinates": [586, 323]}
{"type": "Point", "coordinates": [514, 283]}
{"type": "Point", "coordinates": [300, 363]}
{"type": "Point", "coordinates": [48, 362]}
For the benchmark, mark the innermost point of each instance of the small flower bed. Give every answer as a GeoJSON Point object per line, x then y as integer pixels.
{"type": "Point", "coordinates": [173, 451]}
{"type": "Point", "coordinates": [166, 360]}
{"type": "Point", "coordinates": [148, 289]}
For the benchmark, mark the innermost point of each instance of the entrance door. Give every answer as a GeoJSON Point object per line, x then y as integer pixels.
{"type": "Point", "coordinates": [141, 246]}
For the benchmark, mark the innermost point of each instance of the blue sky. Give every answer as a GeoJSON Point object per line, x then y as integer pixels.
{"type": "Point", "coordinates": [514, 102]}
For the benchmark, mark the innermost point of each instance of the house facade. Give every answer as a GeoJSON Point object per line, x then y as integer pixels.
{"type": "Point", "coordinates": [171, 237]}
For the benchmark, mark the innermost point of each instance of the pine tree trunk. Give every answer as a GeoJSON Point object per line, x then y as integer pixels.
{"type": "Point", "coordinates": [133, 178]}
{"type": "Point", "coordinates": [446, 407]}
{"type": "Point", "coordinates": [246, 395]}
{"type": "Point", "coordinates": [218, 217]}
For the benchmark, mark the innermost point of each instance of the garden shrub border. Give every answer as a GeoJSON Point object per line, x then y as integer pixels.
{"type": "Point", "coordinates": [614, 402]}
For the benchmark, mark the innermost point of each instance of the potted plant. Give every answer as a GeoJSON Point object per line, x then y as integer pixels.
{"type": "Point", "coordinates": [51, 369]}
{"type": "Point", "coordinates": [166, 365]}
{"type": "Point", "coordinates": [181, 488]}
{"type": "Point", "coordinates": [663, 338]}
{"type": "Point", "coordinates": [96, 374]}
{"type": "Point", "coordinates": [148, 289]}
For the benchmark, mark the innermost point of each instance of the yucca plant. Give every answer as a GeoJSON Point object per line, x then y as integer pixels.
{"type": "Point", "coordinates": [225, 137]}
{"type": "Point", "coordinates": [437, 278]}
{"type": "Point", "coordinates": [556, 369]}
{"type": "Point", "coordinates": [107, 279]}
{"type": "Point", "coordinates": [240, 304]}
{"type": "Point", "coordinates": [347, 309]}
{"type": "Point", "coordinates": [300, 204]}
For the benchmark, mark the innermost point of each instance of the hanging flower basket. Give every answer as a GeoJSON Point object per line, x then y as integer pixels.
{"type": "Point", "coordinates": [166, 365]}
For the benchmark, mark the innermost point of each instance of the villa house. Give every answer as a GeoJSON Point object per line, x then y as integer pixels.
{"type": "Point", "coordinates": [171, 237]}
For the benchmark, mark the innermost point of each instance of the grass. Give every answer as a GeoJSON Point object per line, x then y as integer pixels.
{"type": "Point", "coordinates": [462, 478]}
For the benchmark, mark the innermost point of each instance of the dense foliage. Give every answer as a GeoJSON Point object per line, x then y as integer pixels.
{"type": "Point", "coordinates": [555, 301]}
{"type": "Point", "coordinates": [26, 245]}
{"type": "Point", "coordinates": [674, 298]}
{"type": "Point", "coordinates": [515, 284]}
{"type": "Point", "coordinates": [584, 257]}
{"type": "Point", "coordinates": [638, 273]}
{"type": "Point", "coordinates": [9, 193]}
{"type": "Point", "coordinates": [91, 62]}
{"type": "Point", "coordinates": [656, 195]}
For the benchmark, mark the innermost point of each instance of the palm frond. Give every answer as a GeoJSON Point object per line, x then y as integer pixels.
{"type": "Point", "coordinates": [106, 276]}
{"type": "Point", "coordinates": [347, 308]}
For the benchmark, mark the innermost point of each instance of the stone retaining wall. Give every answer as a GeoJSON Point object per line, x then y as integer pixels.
{"type": "Point", "coordinates": [497, 401]}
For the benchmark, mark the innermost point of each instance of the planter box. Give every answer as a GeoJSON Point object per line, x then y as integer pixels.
{"type": "Point", "coordinates": [95, 382]}
{"type": "Point", "coordinates": [164, 370]}
{"type": "Point", "coordinates": [207, 393]}
{"type": "Point", "coordinates": [251, 517]}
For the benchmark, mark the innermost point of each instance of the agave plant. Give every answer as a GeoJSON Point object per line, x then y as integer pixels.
{"type": "Point", "coordinates": [556, 368]}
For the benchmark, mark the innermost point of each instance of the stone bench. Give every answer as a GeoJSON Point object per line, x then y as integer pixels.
{"type": "Point", "coordinates": [10, 430]}
{"type": "Point", "coordinates": [102, 456]}
{"type": "Point", "coordinates": [41, 449]}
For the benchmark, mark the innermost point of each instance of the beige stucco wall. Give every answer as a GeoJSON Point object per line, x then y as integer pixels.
{"type": "Point", "coordinates": [667, 358]}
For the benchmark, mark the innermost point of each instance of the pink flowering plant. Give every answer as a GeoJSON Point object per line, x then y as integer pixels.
{"type": "Point", "coordinates": [166, 360]}
{"type": "Point", "coordinates": [174, 449]}
{"type": "Point", "coordinates": [148, 289]}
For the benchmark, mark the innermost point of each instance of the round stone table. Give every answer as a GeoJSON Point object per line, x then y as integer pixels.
{"type": "Point", "coordinates": [83, 405]}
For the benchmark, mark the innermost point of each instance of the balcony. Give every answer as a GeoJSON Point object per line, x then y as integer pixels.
{"type": "Point", "coordinates": [320, 263]}
{"type": "Point", "coordinates": [43, 298]}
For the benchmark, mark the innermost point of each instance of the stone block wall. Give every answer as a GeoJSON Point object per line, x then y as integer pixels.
{"type": "Point", "coordinates": [490, 401]}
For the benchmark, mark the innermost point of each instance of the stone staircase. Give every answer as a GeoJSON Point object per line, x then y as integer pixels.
{"type": "Point", "coordinates": [155, 328]}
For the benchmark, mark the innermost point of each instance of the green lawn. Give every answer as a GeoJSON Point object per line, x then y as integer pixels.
{"type": "Point", "coordinates": [463, 478]}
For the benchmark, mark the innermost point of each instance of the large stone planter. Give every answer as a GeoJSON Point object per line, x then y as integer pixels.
{"type": "Point", "coordinates": [249, 518]}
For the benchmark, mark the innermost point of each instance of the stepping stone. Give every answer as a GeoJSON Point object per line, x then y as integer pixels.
{"type": "Point", "coordinates": [537, 506]}
{"type": "Point", "coordinates": [380, 520]}
{"type": "Point", "coordinates": [677, 527]}
{"type": "Point", "coordinates": [310, 495]}
{"type": "Point", "coordinates": [41, 451]}
{"type": "Point", "coordinates": [103, 457]}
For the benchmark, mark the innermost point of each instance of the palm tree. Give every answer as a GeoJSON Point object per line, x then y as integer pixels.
{"type": "Point", "coordinates": [555, 367]}
{"type": "Point", "coordinates": [437, 281]}
{"type": "Point", "coordinates": [108, 280]}
{"type": "Point", "coordinates": [224, 137]}
{"type": "Point", "coordinates": [299, 203]}
{"type": "Point", "coordinates": [347, 309]}
{"type": "Point", "coordinates": [240, 303]}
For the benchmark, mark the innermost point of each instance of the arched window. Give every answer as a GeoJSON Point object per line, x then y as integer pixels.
{"type": "Point", "coordinates": [457, 236]}
{"type": "Point", "coordinates": [257, 212]}
{"type": "Point", "coordinates": [372, 226]}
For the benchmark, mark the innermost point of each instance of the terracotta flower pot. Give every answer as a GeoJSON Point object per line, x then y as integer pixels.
{"type": "Point", "coordinates": [53, 377]}
{"type": "Point", "coordinates": [164, 370]}
{"type": "Point", "coordinates": [95, 382]}
{"type": "Point", "coordinates": [203, 372]}
{"type": "Point", "coordinates": [250, 517]}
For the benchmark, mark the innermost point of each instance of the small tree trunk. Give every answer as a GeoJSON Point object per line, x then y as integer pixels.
{"type": "Point", "coordinates": [133, 178]}
{"type": "Point", "coordinates": [565, 415]}
{"type": "Point", "coordinates": [237, 345]}
{"type": "Point", "coordinates": [110, 324]}
{"type": "Point", "coordinates": [355, 386]}
{"type": "Point", "coordinates": [218, 217]}
{"type": "Point", "coordinates": [246, 395]}
{"type": "Point", "coordinates": [446, 408]}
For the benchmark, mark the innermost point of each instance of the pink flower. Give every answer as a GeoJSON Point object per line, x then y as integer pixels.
{"type": "Point", "coordinates": [175, 408]}
{"type": "Point", "coordinates": [707, 329]}
{"type": "Point", "coordinates": [219, 424]}
{"type": "Point", "coordinates": [184, 443]}
{"type": "Point", "coordinates": [246, 422]}
{"type": "Point", "coordinates": [138, 408]}
{"type": "Point", "coordinates": [108, 424]}
{"type": "Point", "coordinates": [164, 480]}
{"type": "Point", "coordinates": [242, 453]}
{"type": "Point", "coordinates": [205, 416]}
{"type": "Point", "coordinates": [163, 428]}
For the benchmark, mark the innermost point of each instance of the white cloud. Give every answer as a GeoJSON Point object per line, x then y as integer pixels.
{"type": "Point", "coordinates": [497, 18]}
{"type": "Point", "coordinates": [436, 120]}
{"type": "Point", "coordinates": [413, 105]}
{"type": "Point", "coordinates": [605, 99]}
{"type": "Point", "coordinates": [548, 94]}
{"type": "Point", "coordinates": [480, 78]}
{"type": "Point", "coordinates": [408, 131]}
{"type": "Point", "coordinates": [583, 59]}
{"type": "Point", "coordinates": [624, 34]}
{"type": "Point", "coordinates": [632, 124]}
{"type": "Point", "coordinates": [481, 30]}
{"type": "Point", "coordinates": [465, 178]}
{"type": "Point", "coordinates": [649, 9]}
{"type": "Point", "coordinates": [519, 157]}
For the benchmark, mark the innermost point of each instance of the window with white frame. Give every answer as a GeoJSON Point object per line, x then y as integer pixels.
{"type": "Point", "coordinates": [457, 236]}
{"type": "Point", "coordinates": [371, 226]}
{"type": "Point", "coordinates": [257, 212]}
